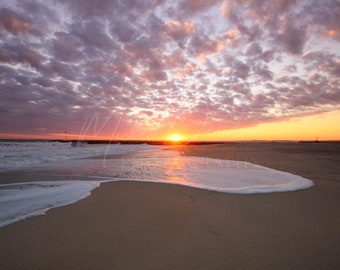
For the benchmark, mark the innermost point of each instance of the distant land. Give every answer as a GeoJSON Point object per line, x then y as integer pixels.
{"type": "Point", "coordinates": [163, 142]}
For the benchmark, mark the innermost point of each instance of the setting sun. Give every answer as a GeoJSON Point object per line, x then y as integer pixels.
{"type": "Point", "coordinates": [175, 138]}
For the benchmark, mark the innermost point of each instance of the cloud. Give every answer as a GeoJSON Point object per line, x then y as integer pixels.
{"type": "Point", "coordinates": [202, 44]}
{"type": "Point", "coordinates": [123, 31]}
{"type": "Point", "coordinates": [254, 49]}
{"type": "Point", "coordinates": [14, 23]}
{"type": "Point", "coordinates": [193, 6]}
{"type": "Point", "coordinates": [21, 54]}
{"type": "Point", "coordinates": [263, 72]}
{"type": "Point", "coordinates": [322, 61]}
{"type": "Point", "coordinates": [240, 70]}
{"type": "Point", "coordinates": [153, 66]}
{"type": "Point", "coordinates": [88, 8]}
{"type": "Point", "coordinates": [67, 47]}
{"type": "Point", "coordinates": [92, 32]}
{"type": "Point", "coordinates": [293, 39]}
{"type": "Point", "coordinates": [325, 14]}
{"type": "Point", "coordinates": [179, 31]}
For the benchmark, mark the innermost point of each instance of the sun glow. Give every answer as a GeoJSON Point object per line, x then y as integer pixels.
{"type": "Point", "coordinates": [175, 138]}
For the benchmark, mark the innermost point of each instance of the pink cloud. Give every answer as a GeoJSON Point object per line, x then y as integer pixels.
{"type": "Point", "coordinates": [14, 23]}
{"type": "Point", "coordinates": [179, 30]}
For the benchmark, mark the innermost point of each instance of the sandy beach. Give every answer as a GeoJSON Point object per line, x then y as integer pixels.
{"type": "Point", "coordinates": [133, 225]}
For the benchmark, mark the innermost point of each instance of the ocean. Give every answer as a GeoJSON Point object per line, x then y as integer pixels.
{"type": "Point", "coordinates": [61, 174]}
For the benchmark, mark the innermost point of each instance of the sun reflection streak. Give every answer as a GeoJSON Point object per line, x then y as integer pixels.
{"type": "Point", "coordinates": [175, 170]}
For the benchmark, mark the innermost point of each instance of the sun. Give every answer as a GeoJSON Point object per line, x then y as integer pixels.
{"type": "Point", "coordinates": [175, 138]}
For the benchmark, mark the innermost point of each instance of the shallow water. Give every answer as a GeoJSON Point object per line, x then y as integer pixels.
{"type": "Point", "coordinates": [21, 155]}
{"type": "Point", "coordinates": [21, 200]}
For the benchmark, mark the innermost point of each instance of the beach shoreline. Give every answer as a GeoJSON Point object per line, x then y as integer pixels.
{"type": "Point", "coordinates": [157, 226]}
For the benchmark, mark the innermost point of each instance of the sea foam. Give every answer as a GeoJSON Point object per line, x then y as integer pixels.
{"type": "Point", "coordinates": [22, 200]}
{"type": "Point", "coordinates": [228, 176]}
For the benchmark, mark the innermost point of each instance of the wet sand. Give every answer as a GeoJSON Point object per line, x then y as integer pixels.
{"type": "Point", "coordinates": [130, 225]}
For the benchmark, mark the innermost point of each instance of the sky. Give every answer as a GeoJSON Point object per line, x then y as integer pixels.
{"type": "Point", "coordinates": [129, 69]}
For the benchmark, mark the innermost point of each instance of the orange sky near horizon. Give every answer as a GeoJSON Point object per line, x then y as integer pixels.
{"type": "Point", "coordinates": [322, 127]}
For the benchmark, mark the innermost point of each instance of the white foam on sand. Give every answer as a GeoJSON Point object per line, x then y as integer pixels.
{"type": "Point", "coordinates": [236, 177]}
{"type": "Point", "coordinates": [22, 200]}
{"type": "Point", "coordinates": [228, 176]}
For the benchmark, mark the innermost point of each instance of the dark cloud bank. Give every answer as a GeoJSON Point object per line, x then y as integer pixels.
{"type": "Point", "coordinates": [128, 68]}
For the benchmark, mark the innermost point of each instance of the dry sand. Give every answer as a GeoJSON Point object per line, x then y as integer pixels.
{"type": "Point", "coordinates": [130, 225]}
